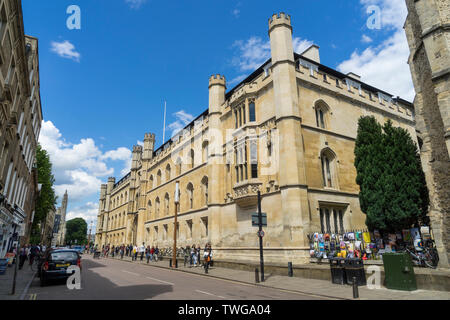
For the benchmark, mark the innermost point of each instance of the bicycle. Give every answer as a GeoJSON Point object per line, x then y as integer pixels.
{"type": "Point", "coordinates": [428, 258]}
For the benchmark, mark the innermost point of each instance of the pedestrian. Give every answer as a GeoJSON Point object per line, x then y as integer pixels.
{"type": "Point", "coordinates": [156, 253]}
{"type": "Point", "coordinates": [207, 256]}
{"type": "Point", "coordinates": [198, 255]}
{"type": "Point", "coordinates": [152, 253]}
{"type": "Point", "coordinates": [147, 253]}
{"type": "Point", "coordinates": [121, 251]}
{"type": "Point", "coordinates": [142, 251]}
{"type": "Point", "coordinates": [135, 252]}
{"type": "Point", "coordinates": [193, 256]}
{"type": "Point", "coordinates": [22, 256]}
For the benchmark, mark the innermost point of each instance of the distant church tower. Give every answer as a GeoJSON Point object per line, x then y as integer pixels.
{"type": "Point", "coordinates": [62, 226]}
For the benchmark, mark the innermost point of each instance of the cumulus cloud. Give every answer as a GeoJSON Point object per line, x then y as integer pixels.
{"type": "Point", "coordinates": [385, 65]}
{"type": "Point", "coordinates": [88, 211]}
{"type": "Point", "coordinates": [182, 119]}
{"type": "Point", "coordinates": [135, 4]}
{"type": "Point", "coordinates": [366, 39]}
{"type": "Point", "coordinates": [78, 167]}
{"type": "Point", "coordinates": [66, 50]}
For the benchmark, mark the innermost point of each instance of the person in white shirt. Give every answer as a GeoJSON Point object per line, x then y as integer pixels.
{"type": "Point", "coordinates": [142, 250]}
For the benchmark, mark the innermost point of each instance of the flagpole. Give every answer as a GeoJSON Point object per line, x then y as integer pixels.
{"type": "Point", "coordinates": [164, 128]}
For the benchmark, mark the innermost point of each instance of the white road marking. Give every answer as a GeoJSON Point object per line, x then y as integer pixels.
{"type": "Point", "coordinates": [136, 274]}
{"type": "Point", "coordinates": [172, 284]}
{"type": "Point", "coordinates": [210, 294]}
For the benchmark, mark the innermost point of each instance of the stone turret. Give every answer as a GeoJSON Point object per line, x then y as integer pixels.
{"type": "Point", "coordinates": [136, 157]}
{"type": "Point", "coordinates": [149, 145]}
{"type": "Point", "coordinates": [217, 87]}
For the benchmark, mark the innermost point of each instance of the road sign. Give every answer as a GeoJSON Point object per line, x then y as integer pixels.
{"type": "Point", "coordinates": [255, 220]}
{"type": "Point", "coordinates": [260, 233]}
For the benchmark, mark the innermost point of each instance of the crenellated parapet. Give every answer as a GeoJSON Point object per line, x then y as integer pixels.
{"type": "Point", "coordinates": [278, 19]}
{"type": "Point", "coordinates": [217, 79]}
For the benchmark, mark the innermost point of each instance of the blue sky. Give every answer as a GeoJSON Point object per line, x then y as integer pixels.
{"type": "Point", "coordinates": [104, 86]}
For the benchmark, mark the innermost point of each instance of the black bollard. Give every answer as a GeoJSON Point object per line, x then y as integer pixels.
{"type": "Point", "coordinates": [170, 263]}
{"type": "Point", "coordinates": [256, 275]}
{"type": "Point", "coordinates": [290, 270]}
{"type": "Point", "coordinates": [355, 289]}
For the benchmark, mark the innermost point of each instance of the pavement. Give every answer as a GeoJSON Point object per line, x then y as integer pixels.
{"type": "Point", "coordinates": [24, 278]}
{"type": "Point", "coordinates": [314, 287]}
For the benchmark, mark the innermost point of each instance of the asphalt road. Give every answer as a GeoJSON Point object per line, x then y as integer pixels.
{"type": "Point", "coordinates": [108, 279]}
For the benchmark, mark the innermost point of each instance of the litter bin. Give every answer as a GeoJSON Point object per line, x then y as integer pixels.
{"type": "Point", "coordinates": [337, 271]}
{"type": "Point", "coordinates": [3, 265]}
{"type": "Point", "coordinates": [399, 272]}
{"type": "Point", "coordinates": [354, 267]}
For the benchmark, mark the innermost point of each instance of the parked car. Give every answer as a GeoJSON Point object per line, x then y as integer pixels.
{"type": "Point", "coordinates": [54, 264]}
{"type": "Point", "coordinates": [80, 249]}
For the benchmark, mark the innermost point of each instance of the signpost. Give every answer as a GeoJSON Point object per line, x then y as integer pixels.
{"type": "Point", "coordinates": [261, 235]}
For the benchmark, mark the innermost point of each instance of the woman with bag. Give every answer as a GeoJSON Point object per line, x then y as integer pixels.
{"type": "Point", "coordinates": [207, 255]}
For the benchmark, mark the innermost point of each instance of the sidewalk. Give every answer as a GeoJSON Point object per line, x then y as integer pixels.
{"type": "Point", "coordinates": [23, 280]}
{"type": "Point", "coordinates": [308, 286]}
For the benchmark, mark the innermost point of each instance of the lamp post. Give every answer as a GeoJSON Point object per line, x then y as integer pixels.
{"type": "Point", "coordinates": [177, 200]}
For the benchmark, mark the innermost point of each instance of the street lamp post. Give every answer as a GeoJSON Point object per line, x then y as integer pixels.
{"type": "Point", "coordinates": [177, 200]}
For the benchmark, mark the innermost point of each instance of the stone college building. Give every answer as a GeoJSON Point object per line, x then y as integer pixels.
{"type": "Point", "coordinates": [287, 130]}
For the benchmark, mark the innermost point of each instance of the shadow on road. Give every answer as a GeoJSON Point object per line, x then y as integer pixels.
{"type": "Point", "coordinates": [96, 287]}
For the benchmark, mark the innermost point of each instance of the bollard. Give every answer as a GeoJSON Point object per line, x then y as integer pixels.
{"type": "Point", "coordinates": [256, 275]}
{"type": "Point", "coordinates": [170, 263]}
{"type": "Point", "coordinates": [290, 270]}
{"type": "Point", "coordinates": [355, 289]}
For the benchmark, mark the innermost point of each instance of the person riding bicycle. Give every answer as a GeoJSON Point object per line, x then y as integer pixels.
{"type": "Point", "coordinates": [34, 252]}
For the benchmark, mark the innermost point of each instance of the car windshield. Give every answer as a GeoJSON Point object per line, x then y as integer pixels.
{"type": "Point", "coordinates": [64, 255]}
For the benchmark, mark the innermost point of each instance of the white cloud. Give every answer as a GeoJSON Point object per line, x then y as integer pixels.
{"type": "Point", "coordinates": [300, 45]}
{"type": "Point", "coordinates": [236, 13]}
{"type": "Point", "coordinates": [80, 167]}
{"type": "Point", "coordinates": [182, 119]}
{"type": "Point", "coordinates": [88, 212]}
{"type": "Point", "coordinates": [366, 39]}
{"type": "Point", "coordinates": [385, 66]}
{"type": "Point", "coordinates": [66, 50]}
{"type": "Point", "coordinates": [135, 4]}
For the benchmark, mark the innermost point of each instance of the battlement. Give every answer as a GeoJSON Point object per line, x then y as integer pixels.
{"type": "Point", "coordinates": [103, 186]}
{"type": "Point", "coordinates": [112, 179]}
{"type": "Point", "coordinates": [149, 136]}
{"type": "Point", "coordinates": [137, 148]}
{"type": "Point", "coordinates": [279, 19]}
{"type": "Point", "coordinates": [217, 79]}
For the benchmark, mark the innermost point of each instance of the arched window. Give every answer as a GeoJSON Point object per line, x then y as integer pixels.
{"type": "Point", "coordinates": [328, 168]}
{"type": "Point", "coordinates": [321, 109]}
{"type": "Point", "coordinates": [157, 207]}
{"type": "Point", "coordinates": [149, 209]}
{"type": "Point", "coordinates": [166, 204]}
{"type": "Point", "coordinates": [121, 199]}
{"type": "Point", "coordinates": [158, 178]}
{"type": "Point", "coordinates": [178, 166]}
{"type": "Point", "coordinates": [168, 172]}
{"type": "Point", "coordinates": [191, 158]}
{"type": "Point", "coordinates": [205, 190]}
{"type": "Point", "coordinates": [151, 182]}
{"type": "Point", "coordinates": [205, 151]}
{"type": "Point", "coordinates": [126, 196]}
{"type": "Point", "coordinates": [190, 193]}
{"type": "Point", "coordinates": [137, 203]}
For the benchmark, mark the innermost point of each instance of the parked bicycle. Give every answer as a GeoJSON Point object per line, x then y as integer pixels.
{"type": "Point", "coordinates": [426, 256]}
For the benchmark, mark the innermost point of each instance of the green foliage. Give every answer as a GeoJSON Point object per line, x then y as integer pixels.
{"type": "Point", "coordinates": [76, 229]}
{"type": "Point", "coordinates": [393, 193]}
{"type": "Point", "coordinates": [47, 197]}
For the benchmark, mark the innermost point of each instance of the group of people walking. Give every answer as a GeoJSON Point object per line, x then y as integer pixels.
{"type": "Point", "coordinates": [151, 253]}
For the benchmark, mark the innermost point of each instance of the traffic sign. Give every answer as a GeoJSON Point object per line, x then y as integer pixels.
{"type": "Point", "coordinates": [260, 233]}
{"type": "Point", "coordinates": [255, 219]}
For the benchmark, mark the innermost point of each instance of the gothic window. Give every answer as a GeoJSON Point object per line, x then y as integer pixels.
{"type": "Point", "coordinates": [149, 209]}
{"type": "Point", "coordinates": [151, 182]}
{"type": "Point", "coordinates": [190, 192]}
{"type": "Point", "coordinates": [158, 178]}
{"type": "Point", "coordinates": [191, 158]}
{"type": "Point", "coordinates": [205, 151]}
{"type": "Point", "coordinates": [205, 190]}
{"type": "Point", "coordinates": [157, 207]}
{"type": "Point", "coordinates": [168, 172]}
{"type": "Point", "coordinates": [328, 168]}
{"type": "Point", "coordinates": [321, 109]}
{"type": "Point", "coordinates": [331, 220]}
{"type": "Point", "coordinates": [166, 204]}
{"type": "Point", "coordinates": [254, 158]}
{"type": "Point", "coordinates": [178, 166]}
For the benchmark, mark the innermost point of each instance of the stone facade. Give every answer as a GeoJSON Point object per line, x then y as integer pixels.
{"type": "Point", "coordinates": [60, 237]}
{"type": "Point", "coordinates": [427, 29]}
{"type": "Point", "coordinates": [20, 123]}
{"type": "Point", "coordinates": [287, 130]}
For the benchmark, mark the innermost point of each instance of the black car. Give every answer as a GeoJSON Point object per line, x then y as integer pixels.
{"type": "Point", "coordinates": [55, 262]}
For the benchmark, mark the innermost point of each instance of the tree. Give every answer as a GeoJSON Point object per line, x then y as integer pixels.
{"type": "Point", "coordinates": [76, 230]}
{"type": "Point", "coordinates": [46, 200]}
{"type": "Point", "coordinates": [393, 193]}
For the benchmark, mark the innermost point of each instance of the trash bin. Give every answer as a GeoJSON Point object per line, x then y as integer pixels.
{"type": "Point", "coordinates": [337, 271]}
{"type": "Point", "coordinates": [3, 265]}
{"type": "Point", "coordinates": [354, 267]}
{"type": "Point", "coordinates": [399, 272]}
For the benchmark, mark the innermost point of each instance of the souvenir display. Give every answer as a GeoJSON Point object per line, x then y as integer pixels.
{"type": "Point", "coordinates": [366, 237]}
{"type": "Point", "coordinates": [320, 237]}
{"type": "Point", "coordinates": [376, 234]}
{"type": "Point", "coordinates": [415, 234]}
{"type": "Point", "coordinates": [358, 235]}
{"type": "Point", "coordinates": [351, 236]}
{"type": "Point", "coordinates": [425, 231]}
{"type": "Point", "coordinates": [406, 235]}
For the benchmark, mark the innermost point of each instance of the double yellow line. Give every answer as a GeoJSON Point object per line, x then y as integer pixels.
{"type": "Point", "coordinates": [33, 296]}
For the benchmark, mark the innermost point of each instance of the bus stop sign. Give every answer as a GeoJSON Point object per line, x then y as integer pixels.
{"type": "Point", "coordinates": [255, 220]}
